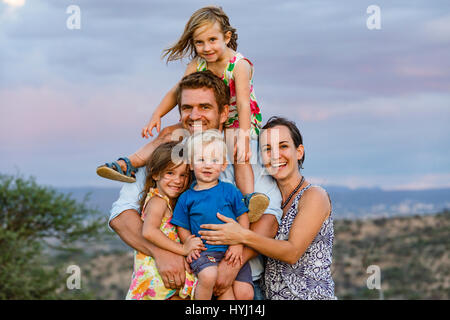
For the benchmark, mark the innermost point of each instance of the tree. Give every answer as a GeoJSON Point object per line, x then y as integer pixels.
{"type": "Point", "coordinates": [35, 221]}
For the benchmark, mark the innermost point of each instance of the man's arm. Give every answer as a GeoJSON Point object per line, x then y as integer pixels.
{"type": "Point", "coordinates": [126, 222]}
{"type": "Point", "coordinates": [128, 225]}
{"type": "Point", "coordinates": [266, 226]}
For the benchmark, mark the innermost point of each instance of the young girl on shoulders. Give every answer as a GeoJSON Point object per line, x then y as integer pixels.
{"type": "Point", "coordinates": [164, 183]}
{"type": "Point", "coordinates": [210, 42]}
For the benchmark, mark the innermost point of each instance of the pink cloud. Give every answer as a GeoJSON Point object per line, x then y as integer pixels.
{"type": "Point", "coordinates": [37, 115]}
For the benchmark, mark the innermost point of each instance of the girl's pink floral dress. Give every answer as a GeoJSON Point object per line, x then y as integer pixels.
{"type": "Point", "coordinates": [228, 78]}
{"type": "Point", "coordinates": [146, 283]}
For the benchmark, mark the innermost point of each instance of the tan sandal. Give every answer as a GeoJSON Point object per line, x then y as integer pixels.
{"type": "Point", "coordinates": [113, 171]}
{"type": "Point", "coordinates": [257, 204]}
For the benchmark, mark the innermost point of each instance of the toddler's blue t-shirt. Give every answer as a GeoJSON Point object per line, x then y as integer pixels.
{"type": "Point", "coordinates": [197, 207]}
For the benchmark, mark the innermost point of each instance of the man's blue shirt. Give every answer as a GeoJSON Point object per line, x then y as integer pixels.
{"type": "Point", "coordinates": [197, 207]}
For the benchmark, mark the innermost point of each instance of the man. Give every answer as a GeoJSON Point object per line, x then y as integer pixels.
{"type": "Point", "coordinates": [202, 100]}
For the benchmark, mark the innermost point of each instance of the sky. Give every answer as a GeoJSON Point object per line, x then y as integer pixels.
{"type": "Point", "coordinates": [373, 105]}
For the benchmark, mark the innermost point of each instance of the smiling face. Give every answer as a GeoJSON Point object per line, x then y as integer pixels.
{"type": "Point", "coordinates": [173, 180]}
{"type": "Point", "coordinates": [279, 154]}
{"type": "Point", "coordinates": [208, 161]}
{"type": "Point", "coordinates": [200, 111]}
{"type": "Point", "coordinates": [210, 42]}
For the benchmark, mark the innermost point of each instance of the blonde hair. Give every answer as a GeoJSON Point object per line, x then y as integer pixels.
{"type": "Point", "coordinates": [202, 139]}
{"type": "Point", "coordinates": [185, 45]}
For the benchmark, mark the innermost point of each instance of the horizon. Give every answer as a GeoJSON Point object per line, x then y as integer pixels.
{"type": "Point", "coordinates": [374, 188]}
{"type": "Point", "coordinates": [372, 104]}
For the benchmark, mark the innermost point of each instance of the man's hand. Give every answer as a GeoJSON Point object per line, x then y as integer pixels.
{"type": "Point", "coordinates": [225, 276]}
{"type": "Point", "coordinates": [171, 267]}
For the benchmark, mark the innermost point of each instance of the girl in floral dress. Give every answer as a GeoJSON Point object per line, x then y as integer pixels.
{"type": "Point", "coordinates": [164, 183]}
{"type": "Point", "coordinates": [211, 42]}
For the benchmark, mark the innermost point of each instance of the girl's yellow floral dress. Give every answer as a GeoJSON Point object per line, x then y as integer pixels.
{"type": "Point", "coordinates": [146, 283]}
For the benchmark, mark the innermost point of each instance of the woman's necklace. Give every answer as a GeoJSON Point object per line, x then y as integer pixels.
{"type": "Point", "coordinates": [284, 204]}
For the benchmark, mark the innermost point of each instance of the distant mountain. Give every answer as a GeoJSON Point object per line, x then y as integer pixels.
{"type": "Point", "coordinates": [347, 203]}
{"type": "Point", "coordinates": [375, 202]}
{"type": "Point", "coordinates": [98, 198]}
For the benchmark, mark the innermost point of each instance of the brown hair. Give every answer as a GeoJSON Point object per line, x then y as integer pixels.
{"type": "Point", "coordinates": [160, 160]}
{"type": "Point", "coordinates": [293, 130]}
{"type": "Point", "coordinates": [185, 45]}
{"type": "Point", "coordinates": [205, 79]}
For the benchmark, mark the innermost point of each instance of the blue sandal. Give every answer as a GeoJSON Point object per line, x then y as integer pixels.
{"type": "Point", "coordinates": [113, 171]}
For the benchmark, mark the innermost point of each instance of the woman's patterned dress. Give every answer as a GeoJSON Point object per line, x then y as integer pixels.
{"type": "Point", "coordinates": [310, 277]}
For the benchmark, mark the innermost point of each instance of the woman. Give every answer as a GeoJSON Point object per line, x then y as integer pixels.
{"type": "Point", "coordinates": [300, 256]}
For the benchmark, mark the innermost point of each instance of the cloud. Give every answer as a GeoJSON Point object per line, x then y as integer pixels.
{"type": "Point", "coordinates": [370, 103]}
{"type": "Point", "coordinates": [438, 30]}
{"type": "Point", "coordinates": [14, 3]}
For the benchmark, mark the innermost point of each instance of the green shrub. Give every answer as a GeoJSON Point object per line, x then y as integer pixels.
{"type": "Point", "coordinates": [35, 221]}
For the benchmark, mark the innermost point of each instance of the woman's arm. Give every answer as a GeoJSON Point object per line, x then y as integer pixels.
{"type": "Point", "coordinates": [313, 210]}
{"type": "Point", "coordinates": [266, 226]}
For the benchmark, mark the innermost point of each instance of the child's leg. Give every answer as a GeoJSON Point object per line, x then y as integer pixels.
{"type": "Point", "coordinates": [243, 172]}
{"type": "Point", "coordinates": [244, 178]}
{"type": "Point", "coordinates": [140, 157]}
{"type": "Point", "coordinates": [243, 175]}
{"type": "Point", "coordinates": [243, 284]}
{"type": "Point", "coordinates": [243, 290]}
{"type": "Point", "coordinates": [206, 281]}
{"type": "Point", "coordinates": [257, 203]}
{"type": "Point", "coordinates": [137, 159]}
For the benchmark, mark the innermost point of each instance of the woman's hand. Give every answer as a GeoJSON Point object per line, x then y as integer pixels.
{"type": "Point", "coordinates": [229, 233]}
